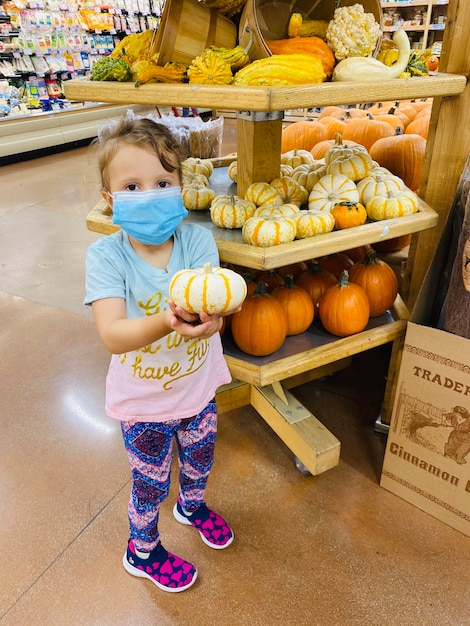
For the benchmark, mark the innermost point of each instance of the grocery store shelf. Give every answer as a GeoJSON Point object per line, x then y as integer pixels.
{"type": "Point", "coordinates": [23, 134]}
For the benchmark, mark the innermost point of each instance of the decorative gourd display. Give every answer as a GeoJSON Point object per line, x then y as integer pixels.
{"type": "Point", "coordinates": [197, 197]}
{"type": "Point", "coordinates": [297, 304]}
{"type": "Point", "coordinates": [209, 289]}
{"type": "Point", "coordinates": [311, 223]}
{"type": "Point", "coordinates": [231, 211]}
{"type": "Point", "coordinates": [403, 155]}
{"type": "Point", "coordinates": [197, 166]}
{"type": "Point", "coordinates": [296, 156]}
{"type": "Point", "coordinates": [262, 193]}
{"type": "Point", "coordinates": [210, 68]}
{"type": "Point", "coordinates": [268, 231]}
{"type": "Point", "coordinates": [378, 183]}
{"type": "Point", "coordinates": [302, 135]}
{"type": "Point", "coordinates": [282, 70]}
{"type": "Point", "coordinates": [393, 204]}
{"type": "Point", "coordinates": [330, 190]}
{"type": "Point", "coordinates": [288, 210]}
{"type": "Point", "coordinates": [349, 214]}
{"type": "Point", "coordinates": [260, 328]}
{"type": "Point", "coordinates": [344, 308]}
{"type": "Point", "coordinates": [310, 45]}
{"type": "Point", "coordinates": [309, 174]}
{"type": "Point", "coordinates": [378, 280]}
{"type": "Point", "coordinates": [315, 280]}
{"type": "Point", "coordinates": [290, 190]}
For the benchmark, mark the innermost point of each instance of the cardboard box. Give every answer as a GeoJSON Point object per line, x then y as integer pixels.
{"type": "Point", "coordinates": [427, 458]}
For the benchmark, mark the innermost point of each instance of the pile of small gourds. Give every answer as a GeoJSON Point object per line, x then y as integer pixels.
{"type": "Point", "coordinates": [342, 190]}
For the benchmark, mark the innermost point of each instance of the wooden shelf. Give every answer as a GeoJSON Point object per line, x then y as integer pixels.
{"type": "Point", "coordinates": [265, 98]}
{"type": "Point", "coordinates": [314, 348]}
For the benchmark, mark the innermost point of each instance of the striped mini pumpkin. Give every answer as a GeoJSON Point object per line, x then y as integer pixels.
{"type": "Point", "coordinates": [331, 189]}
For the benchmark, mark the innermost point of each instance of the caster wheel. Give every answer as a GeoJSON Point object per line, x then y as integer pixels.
{"type": "Point", "coordinates": [301, 467]}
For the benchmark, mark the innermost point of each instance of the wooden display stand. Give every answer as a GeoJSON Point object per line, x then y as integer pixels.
{"type": "Point", "coordinates": [259, 121]}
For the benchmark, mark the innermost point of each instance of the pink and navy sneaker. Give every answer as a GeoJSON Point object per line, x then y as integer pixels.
{"type": "Point", "coordinates": [214, 530]}
{"type": "Point", "coordinates": [168, 571]}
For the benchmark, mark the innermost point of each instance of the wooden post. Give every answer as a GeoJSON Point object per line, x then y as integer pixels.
{"type": "Point", "coordinates": [258, 147]}
{"type": "Point", "coordinates": [448, 144]}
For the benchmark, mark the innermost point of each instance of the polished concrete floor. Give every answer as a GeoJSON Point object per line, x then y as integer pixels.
{"type": "Point", "coordinates": [309, 551]}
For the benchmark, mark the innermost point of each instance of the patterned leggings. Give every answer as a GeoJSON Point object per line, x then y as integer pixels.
{"type": "Point", "coordinates": [149, 446]}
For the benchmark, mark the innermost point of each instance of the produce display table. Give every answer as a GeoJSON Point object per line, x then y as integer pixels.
{"type": "Point", "coordinates": [259, 126]}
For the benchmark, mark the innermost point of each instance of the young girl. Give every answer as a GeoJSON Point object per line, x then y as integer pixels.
{"type": "Point", "coordinates": [166, 364]}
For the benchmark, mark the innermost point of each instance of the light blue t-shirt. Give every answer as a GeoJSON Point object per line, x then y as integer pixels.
{"type": "Point", "coordinates": [115, 270]}
{"type": "Point", "coordinates": [174, 377]}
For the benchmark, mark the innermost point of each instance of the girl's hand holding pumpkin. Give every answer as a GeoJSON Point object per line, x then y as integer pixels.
{"type": "Point", "coordinates": [201, 326]}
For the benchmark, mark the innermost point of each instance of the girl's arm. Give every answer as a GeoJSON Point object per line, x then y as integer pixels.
{"type": "Point", "coordinates": [120, 334]}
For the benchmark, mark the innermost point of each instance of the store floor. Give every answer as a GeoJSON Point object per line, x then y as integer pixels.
{"type": "Point", "coordinates": [308, 551]}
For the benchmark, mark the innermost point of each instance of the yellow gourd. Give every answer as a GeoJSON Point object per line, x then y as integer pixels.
{"type": "Point", "coordinates": [210, 69]}
{"type": "Point", "coordinates": [282, 70]}
{"type": "Point", "coordinates": [310, 223]}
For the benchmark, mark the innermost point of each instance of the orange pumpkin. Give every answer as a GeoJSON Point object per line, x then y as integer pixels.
{"type": "Point", "coordinates": [378, 280]}
{"type": "Point", "coordinates": [302, 135]}
{"type": "Point", "coordinates": [297, 304]}
{"type": "Point", "coordinates": [344, 308]}
{"type": "Point", "coordinates": [259, 312]}
{"type": "Point", "coordinates": [432, 63]}
{"type": "Point", "coordinates": [366, 130]}
{"type": "Point", "coordinates": [331, 110]}
{"type": "Point", "coordinates": [272, 279]}
{"type": "Point", "coordinates": [315, 280]}
{"type": "Point", "coordinates": [392, 245]}
{"type": "Point", "coordinates": [359, 253]}
{"type": "Point", "coordinates": [333, 125]}
{"type": "Point", "coordinates": [336, 263]}
{"type": "Point", "coordinates": [349, 214]}
{"type": "Point", "coordinates": [293, 268]}
{"type": "Point", "coordinates": [419, 126]}
{"type": "Point", "coordinates": [403, 155]}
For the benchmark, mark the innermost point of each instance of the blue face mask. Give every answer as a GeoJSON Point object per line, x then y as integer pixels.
{"type": "Point", "coordinates": [150, 216]}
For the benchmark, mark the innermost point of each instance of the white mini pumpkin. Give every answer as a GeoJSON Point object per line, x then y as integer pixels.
{"type": "Point", "coordinates": [209, 289]}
